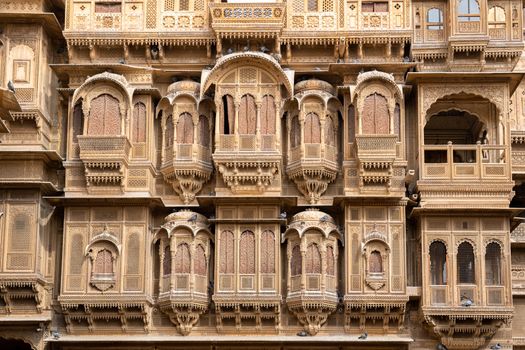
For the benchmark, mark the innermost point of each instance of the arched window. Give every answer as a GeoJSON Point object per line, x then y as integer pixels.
{"type": "Point", "coordinates": [103, 263]}
{"type": "Point", "coordinates": [247, 253]}
{"type": "Point", "coordinates": [268, 115]}
{"type": "Point", "coordinates": [104, 116]}
{"type": "Point", "coordinates": [267, 252]}
{"type": "Point", "coordinates": [330, 261]}
{"type": "Point", "coordinates": [199, 263]}
{"type": "Point", "coordinates": [182, 259]}
{"type": "Point", "coordinates": [313, 259]}
{"type": "Point", "coordinates": [496, 17]}
{"type": "Point", "coordinates": [185, 129]}
{"type": "Point", "coordinates": [204, 131]}
{"type": "Point", "coordinates": [228, 115]}
{"type": "Point", "coordinates": [78, 121]}
{"type": "Point", "coordinates": [468, 10]}
{"type": "Point", "coordinates": [312, 128]}
{"type": "Point", "coordinates": [375, 262]}
{"type": "Point", "coordinates": [375, 118]}
{"type": "Point", "coordinates": [351, 124]}
{"type": "Point", "coordinates": [247, 115]}
{"type": "Point", "coordinates": [169, 131]}
{"type": "Point", "coordinates": [493, 264]}
{"type": "Point", "coordinates": [295, 133]}
{"type": "Point", "coordinates": [296, 263]}
{"type": "Point", "coordinates": [330, 135]}
{"type": "Point", "coordinates": [465, 261]}
{"type": "Point", "coordinates": [166, 263]}
{"type": "Point", "coordinates": [138, 133]}
{"type": "Point", "coordinates": [227, 252]}
{"type": "Point", "coordinates": [438, 263]}
{"type": "Point", "coordinates": [434, 19]}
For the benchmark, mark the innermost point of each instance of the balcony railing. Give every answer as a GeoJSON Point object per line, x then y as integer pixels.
{"type": "Point", "coordinates": [247, 143]}
{"type": "Point", "coordinates": [313, 152]}
{"type": "Point", "coordinates": [187, 153]}
{"type": "Point", "coordinates": [438, 294]}
{"type": "Point", "coordinates": [465, 162]}
{"type": "Point", "coordinates": [263, 16]}
{"type": "Point", "coordinates": [103, 147]}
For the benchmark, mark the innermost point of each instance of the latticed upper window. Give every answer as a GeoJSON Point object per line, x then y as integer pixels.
{"type": "Point", "coordinates": [330, 261]}
{"type": "Point", "coordinates": [168, 136]}
{"type": "Point", "coordinates": [185, 129]}
{"type": "Point", "coordinates": [496, 17]}
{"type": "Point", "coordinates": [312, 6]}
{"type": "Point", "coordinates": [78, 121]}
{"type": "Point", "coordinates": [295, 132]}
{"type": "Point", "coordinates": [247, 253]}
{"type": "Point", "coordinates": [204, 131]}
{"type": "Point", "coordinates": [351, 123]}
{"type": "Point", "coordinates": [139, 123]}
{"type": "Point", "coordinates": [169, 5]}
{"type": "Point", "coordinates": [103, 263]}
{"type": "Point", "coordinates": [199, 263]}
{"type": "Point", "coordinates": [468, 10]}
{"type": "Point", "coordinates": [102, 7]}
{"type": "Point", "coordinates": [296, 264]}
{"type": "Point", "coordinates": [166, 263]}
{"type": "Point", "coordinates": [375, 262]}
{"type": "Point", "coordinates": [374, 6]}
{"type": "Point", "coordinates": [268, 115]}
{"type": "Point", "coordinates": [330, 134]}
{"type": "Point", "coordinates": [184, 5]}
{"type": "Point", "coordinates": [465, 262]}
{"type": "Point", "coordinates": [104, 116]}
{"type": "Point", "coordinates": [493, 264]}
{"type": "Point", "coordinates": [438, 263]}
{"type": "Point", "coordinates": [313, 259]}
{"type": "Point", "coordinates": [247, 115]}
{"type": "Point", "coordinates": [227, 252]}
{"type": "Point", "coordinates": [267, 252]}
{"type": "Point", "coordinates": [375, 119]}
{"type": "Point", "coordinates": [434, 19]}
{"type": "Point", "coordinates": [312, 128]}
{"type": "Point", "coordinates": [182, 259]}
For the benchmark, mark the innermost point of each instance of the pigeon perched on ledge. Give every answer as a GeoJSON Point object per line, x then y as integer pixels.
{"type": "Point", "coordinates": [363, 336]}
{"type": "Point", "coordinates": [11, 86]}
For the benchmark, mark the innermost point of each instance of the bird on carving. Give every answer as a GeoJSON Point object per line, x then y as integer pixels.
{"type": "Point", "coordinates": [55, 334]}
{"type": "Point", "coordinates": [324, 218]}
{"type": "Point", "coordinates": [317, 69]}
{"type": "Point", "coordinates": [246, 48]}
{"type": "Point", "coordinates": [264, 49]}
{"type": "Point", "coordinates": [496, 347]}
{"type": "Point", "coordinates": [229, 51]}
{"type": "Point", "coordinates": [121, 61]}
{"type": "Point", "coordinates": [302, 334]}
{"type": "Point", "coordinates": [466, 301]}
{"type": "Point", "coordinates": [193, 218]}
{"type": "Point", "coordinates": [282, 215]}
{"type": "Point", "coordinates": [363, 336]}
{"type": "Point", "coordinates": [11, 86]}
{"type": "Point", "coordinates": [441, 347]}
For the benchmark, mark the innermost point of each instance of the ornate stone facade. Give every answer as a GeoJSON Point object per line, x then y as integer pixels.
{"type": "Point", "coordinates": [321, 174]}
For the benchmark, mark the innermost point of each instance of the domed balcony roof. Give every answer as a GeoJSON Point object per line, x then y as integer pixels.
{"type": "Point", "coordinates": [312, 219]}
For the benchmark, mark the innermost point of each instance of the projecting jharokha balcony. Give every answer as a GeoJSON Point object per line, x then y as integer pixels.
{"type": "Point", "coordinates": [463, 162]}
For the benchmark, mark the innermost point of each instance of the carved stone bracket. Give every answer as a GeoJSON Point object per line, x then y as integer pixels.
{"type": "Point", "coordinates": [312, 183]}
{"type": "Point", "coordinates": [257, 310]}
{"type": "Point", "coordinates": [13, 292]}
{"type": "Point", "coordinates": [365, 308]}
{"type": "Point", "coordinates": [184, 315]}
{"type": "Point", "coordinates": [187, 182]}
{"type": "Point", "coordinates": [312, 314]}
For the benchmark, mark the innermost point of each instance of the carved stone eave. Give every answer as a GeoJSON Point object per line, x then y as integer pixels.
{"type": "Point", "coordinates": [312, 219]}
{"type": "Point", "coordinates": [187, 219]}
{"type": "Point", "coordinates": [392, 306]}
{"type": "Point", "coordinates": [458, 194]}
{"type": "Point", "coordinates": [120, 307]}
{"type": "Point", "coordinates": [312, 309]}
{"type": "Point", "coordinates": [481, 322]}
{"type": "Point", "coordinates": [31, 287]}
{"type": "Point", "coordinates": [247, 307]}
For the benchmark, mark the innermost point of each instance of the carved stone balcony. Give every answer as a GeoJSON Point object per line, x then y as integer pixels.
{"type": "Point", "coordinates": [183, 290]}
{"type": "Point", "coordinates": [105, 160]}
{"type": "Point", "coordinates": [24, 294]}
{"type": "Point", "coordinates": [518, 153]}
{"type": "Point", "coordinates": [449, 169]}
{"type": "Point", "coordinates": [248, 163]}
{"type": "Point", "coordinates": [257, 19]}
{"type": "Point", "coordinates": [376, 155]}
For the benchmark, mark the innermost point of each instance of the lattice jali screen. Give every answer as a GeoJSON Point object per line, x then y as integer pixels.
{"type": "Point", "coordinates": [132, 278]}
{"type": "Point", "coordinates": [151, 14]}
{"type": "Point", "coordinates": [76, 253]}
